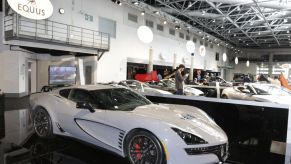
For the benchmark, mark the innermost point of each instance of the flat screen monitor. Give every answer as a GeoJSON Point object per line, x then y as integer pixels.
{"type": "Point", "coordinates": [62, 75]}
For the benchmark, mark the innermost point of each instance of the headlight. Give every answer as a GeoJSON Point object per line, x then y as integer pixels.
{"type": "Point", "coordinates": [189, 139]}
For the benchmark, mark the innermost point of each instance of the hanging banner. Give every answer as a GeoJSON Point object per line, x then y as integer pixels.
{"type": "Point", "coordinates": [32, 9]}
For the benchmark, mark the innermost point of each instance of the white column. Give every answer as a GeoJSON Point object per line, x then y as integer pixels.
{"type": "Point", "coordinates": [95, 65]}
{"type": "Point", "coordinates": [175, 61]}
{"type": "Point", "coordinates": [151, 62]}
{"type": "Point", "coordinates": [271, 57]}
{"type": "Point", "coordinates": [81, 71]}
{"type": "Point", "coordinates": [191, 67]}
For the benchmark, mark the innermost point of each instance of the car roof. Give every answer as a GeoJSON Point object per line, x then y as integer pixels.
{"type": "Point", "coordinates": [93, 87]}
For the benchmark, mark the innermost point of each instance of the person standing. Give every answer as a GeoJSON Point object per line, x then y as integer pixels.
{"type": "Point", "coordinates": [179, 80]}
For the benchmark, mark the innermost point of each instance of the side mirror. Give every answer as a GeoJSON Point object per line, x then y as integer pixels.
{"type": "Point", "coordinates": [85, 105]}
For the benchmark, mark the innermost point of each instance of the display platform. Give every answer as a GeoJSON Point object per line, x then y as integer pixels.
{"type": "Point", "coordinates": [22, 146]}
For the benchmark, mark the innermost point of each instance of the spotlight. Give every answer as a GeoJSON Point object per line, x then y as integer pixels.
{"type": "Point", "coordinates": [285, 20]}
{"type": "Point", "coordinates": [222, 26]}
{"type": "Point", "coordinates": [156, 12]}
{"type": "Point", "coordinates": [119, 3]}
{"type": "Point", "coordinates": [228, 31]}
{"type": "Point", "coordinates": [177, 27]}
{"type": "Point", "coordinates": [189, 5]}
{"type": "Point", "coordinates": [259, 33]}
{"type": "Point", "coordinates": [136, 3]}
{"type": "Point", "coordinates": [142, 13]}
{"type": "Point", "coordinates": [203, 12]}
{"type": "Point", "coordinates": [165, 22]}
{"type": "Point", "coordinates": [176, 21]}
{"type": "Point", "coordinates": [238, 8]}
{"type": "Point", "coordinates": [62, 11]}
{"type": "Point", "coordinates": [213, 21]}
{"type": "Point", "coordinates": [234, 34]}
{"type": "Point", "coordinates": [288, 31]}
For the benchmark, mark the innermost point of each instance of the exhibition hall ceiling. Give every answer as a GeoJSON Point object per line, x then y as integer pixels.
{"type": "Point", "coordinates": [242, 23]}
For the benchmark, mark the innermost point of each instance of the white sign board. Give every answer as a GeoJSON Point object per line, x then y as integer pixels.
{"type": "Point", "coordinates": [32, 9]}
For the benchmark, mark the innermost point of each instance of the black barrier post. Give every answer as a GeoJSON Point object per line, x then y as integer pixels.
{"type": "Point", "coordinates": [2, 120]}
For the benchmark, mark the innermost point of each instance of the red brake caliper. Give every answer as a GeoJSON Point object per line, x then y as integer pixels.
{"type": "Point", "coordinates": [137, 151]}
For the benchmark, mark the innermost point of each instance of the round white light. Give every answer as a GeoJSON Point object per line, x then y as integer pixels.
{"type": "Point", "coordinates": [62, 11]}
{"type": "Point", "coordinates": [190, 46]}
{"type": "Point", "coordinates": [145, 34]}
{"type": "Point", "coordinates": [236, 60]}
{"type": "Point", "coordinates": [224, 57]}
{"type": "Point", "coordinates": [202, 50]}
{"type": "Point", "coordinates": [248, 63]}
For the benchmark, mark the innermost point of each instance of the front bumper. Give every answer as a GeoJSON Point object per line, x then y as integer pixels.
{"type": "Point", "coordinates": [198, 155]}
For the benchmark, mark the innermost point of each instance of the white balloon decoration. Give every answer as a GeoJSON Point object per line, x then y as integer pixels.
{"type": "Point", "coordinates": [190, 46]}
{"type": "Point", "coordinates": [202, 50]}
{"type": "Point", "coordinates": [145, 34]}
{"type": "Point", "coordinates": [224, 57]}
{"type": "Point", "coordinates": [236, 60]}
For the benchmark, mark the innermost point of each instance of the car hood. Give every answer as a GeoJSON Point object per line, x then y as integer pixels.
{"type": "Point", "coordinates": [273, 98]}
{"type": "Point", "coordinates": [186, 118]}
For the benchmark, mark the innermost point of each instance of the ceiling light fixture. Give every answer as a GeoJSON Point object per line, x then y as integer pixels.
{"type": "Point", "coordinates": [234, 34]}
{"type": "Point", "coordinates": [189, 5]}
{"type": "Point", "coordinates": [136, 3]}
{"type": "Point", "coordinates": [213, 21]}
{"type": "Point", "coordinates": [203, 12]}
{"type": "Point", "coordinates": [238, 8]}
{"type": "Point", "coordinates": [142, 13]}
{"type": "Point", "coordinates": [62, 11]}
{"type": "Point", "coordinates": [165, 22]}
{"type": "Point", "coordinates": [285, 20]}
{"type": "Point", "coordinates": [156, 12]}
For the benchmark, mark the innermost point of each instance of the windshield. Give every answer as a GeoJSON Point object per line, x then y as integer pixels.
{"type": "Point", "coordinates": [274, 90]}
{"type": "Point", "coordinates": [260, 91]}
{"type": "Point", "coordinates": [118, 99]}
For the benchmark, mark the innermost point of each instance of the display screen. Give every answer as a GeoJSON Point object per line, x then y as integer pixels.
{"type": "Point", "coordinates": [62, 75]}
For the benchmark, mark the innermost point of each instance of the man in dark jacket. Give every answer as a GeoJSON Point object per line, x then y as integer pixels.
{"type": "Point", "coordinates": [179, 79]}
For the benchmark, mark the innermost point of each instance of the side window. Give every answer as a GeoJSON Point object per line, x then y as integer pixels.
{"type": "Point", "coordinates": [79, 95]}
{"type": "Point", "coordinates": [65, 93]}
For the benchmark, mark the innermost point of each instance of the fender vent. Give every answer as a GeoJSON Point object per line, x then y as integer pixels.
{"type": "Point", "coordinates": [60, 128]}
{"type": "Point", "coordinates": [120, 139]}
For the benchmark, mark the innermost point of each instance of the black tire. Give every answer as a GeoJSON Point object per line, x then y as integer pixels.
{"type": "Point", "coordinates": [42, 123]}
{"type": "Point", "coordinates": [143, 147]}
{"type": "Point", "coordinates": [224, 97]}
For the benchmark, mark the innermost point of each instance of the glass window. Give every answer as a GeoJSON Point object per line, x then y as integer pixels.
{"type": "Point", "coordinates": [171, 31]}
{"type": "Point", "coordinates": [160, 27]}
{"type": "Point", "coordinates": [132, 17]}
{"type": "Point", "coordinates": [65, 93]}
{"type": "Point", "coordinates": [181, 35]}
{"type": "Point", "coordinates": [80, 95]}
{"type": "Point", "coordinates": [107, 26]}
{"type": "Point", "coordinates": [118, 99]}
{"type": "Point", "coordinates": [150, 23]}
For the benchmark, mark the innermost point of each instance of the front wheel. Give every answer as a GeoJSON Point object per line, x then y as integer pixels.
{"type": "Point", "coordinates": [42, 123]}
{"type": "Point", "coordinates": [144, 148]}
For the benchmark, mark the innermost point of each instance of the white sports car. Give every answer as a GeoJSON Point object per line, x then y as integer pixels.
{"type": "Point", "coordinates": [258, 92]}
{"type": "Point", "coordinates": [124, 122]}
{"type": "Point", "coordinates": [142, 87]}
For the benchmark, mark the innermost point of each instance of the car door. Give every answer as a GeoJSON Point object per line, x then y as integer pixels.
{"type": "Point", "coordinates": [69, 113]}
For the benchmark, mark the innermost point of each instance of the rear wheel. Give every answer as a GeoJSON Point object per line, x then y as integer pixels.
{"type": "Point", "coordinates": [42, 123]}
{"type": "Point", "coordinates": [144, 148]}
